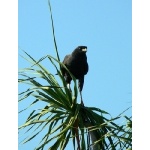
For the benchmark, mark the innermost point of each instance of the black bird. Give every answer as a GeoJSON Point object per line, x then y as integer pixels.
{"type": "Point", "coordinates": [77, 64]}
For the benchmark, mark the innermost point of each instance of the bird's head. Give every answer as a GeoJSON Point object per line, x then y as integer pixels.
{"type": "Point", "coordinates": [80, 50]}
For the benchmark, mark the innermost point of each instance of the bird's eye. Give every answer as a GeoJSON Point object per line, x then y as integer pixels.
{"type": "Point", "coordinates": [80, 49]}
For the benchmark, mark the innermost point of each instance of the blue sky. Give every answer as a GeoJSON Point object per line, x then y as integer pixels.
{"type": "Point", "coordinates": [103, 26]}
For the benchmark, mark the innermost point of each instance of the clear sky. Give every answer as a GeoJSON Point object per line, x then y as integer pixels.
{"type": "Point", "coordinates": [104, 26]}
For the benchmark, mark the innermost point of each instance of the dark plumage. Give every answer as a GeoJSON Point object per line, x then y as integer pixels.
{"type": "Point", "coordinates": [77, 64]}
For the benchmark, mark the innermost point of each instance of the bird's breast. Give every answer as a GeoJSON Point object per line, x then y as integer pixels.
{"type": "Point", "coordinates": [78, 67]}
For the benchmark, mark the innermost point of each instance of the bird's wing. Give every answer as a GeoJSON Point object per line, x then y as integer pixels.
{"type": "Point", "coordinates": [65, 62]}
{"type": "Point", "coordinates": [86, 68]}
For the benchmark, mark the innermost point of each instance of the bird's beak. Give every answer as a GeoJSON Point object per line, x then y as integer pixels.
{"type": "Point", "coordinates": [84, 49]}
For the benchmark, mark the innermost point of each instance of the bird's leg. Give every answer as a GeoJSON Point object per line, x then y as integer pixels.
{"type": "Point", "coordinates": [68, 86]}
{"type": "Point", "coordinates": [68, 81]}
{"type": "Point", "coordinates": [81, 98]}
{"type": "Point", "coordinates": [80, 86]}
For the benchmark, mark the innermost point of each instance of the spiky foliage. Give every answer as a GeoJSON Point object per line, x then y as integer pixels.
{"type": "Point", "coordinates": [60, 119]}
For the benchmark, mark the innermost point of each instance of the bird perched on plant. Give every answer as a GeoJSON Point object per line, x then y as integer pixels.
{"type": "Point", "coordinates": [77, 64]}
